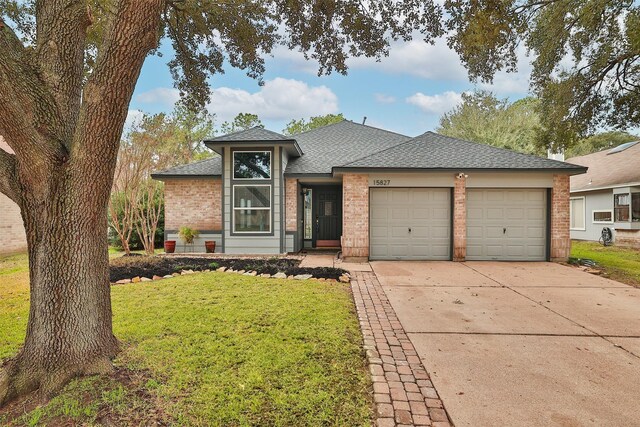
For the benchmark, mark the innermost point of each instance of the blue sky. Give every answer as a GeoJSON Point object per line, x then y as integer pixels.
{"type": "Point", "coordinates": [406, 92]}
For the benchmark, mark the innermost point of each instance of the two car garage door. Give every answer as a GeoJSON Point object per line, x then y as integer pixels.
{"type": "Point", "coordinates": [416, 224]}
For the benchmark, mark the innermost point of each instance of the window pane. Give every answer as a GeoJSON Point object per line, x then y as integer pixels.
{"type": "Point", "coordinates": [602, 216]}
{"type": "Point", "coordinates": [251, 197]}
{"type": "Point", "coordinates": [254, 221]}
{"type": "Point", "coordinates": [577, 213]}
{"type": "Point", "coordinates": [308, 215]}
{"type": "Point", "coordinates": [635, 207]}
{"type": "Point", "coordinates": [621, 207]}
{"type": "Point", "coordinates": [252, 165]}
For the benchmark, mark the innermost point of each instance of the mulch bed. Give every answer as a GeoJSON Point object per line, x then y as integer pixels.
{"type": "Point", "coordinates": [128, 267]}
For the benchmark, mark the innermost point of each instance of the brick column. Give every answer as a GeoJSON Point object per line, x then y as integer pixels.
{"type": "Point", "coordinates": [291, 208]}
{"type": "Point", "coordinates": [560, 235]}
{"type": "Point", "coordinates": [355, 216]}
{"type": "Point", "coordinates": [460, 219]}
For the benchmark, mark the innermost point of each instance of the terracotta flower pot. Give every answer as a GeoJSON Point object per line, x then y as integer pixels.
{"type": "Point", "coordinates": [169, 246]}
{"type": "Point", "coordinates": [210, 246]}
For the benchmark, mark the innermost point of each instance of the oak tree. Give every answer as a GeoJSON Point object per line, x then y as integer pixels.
{"type": "Point", "coordinates": [482, 117]}
{"type": "Point", "coordinates": [586, 58]}
{"type": "Point", "coordinates": [68, 69]}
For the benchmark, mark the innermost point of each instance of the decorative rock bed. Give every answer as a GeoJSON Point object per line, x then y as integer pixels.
{"type": "Point", "coordinates": [125, 270]}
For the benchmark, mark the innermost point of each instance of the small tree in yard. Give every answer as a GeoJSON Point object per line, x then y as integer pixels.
{"type": "Point", "coordinates": [68, 69]}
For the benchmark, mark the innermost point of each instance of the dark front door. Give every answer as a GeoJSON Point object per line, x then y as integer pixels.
{"type": "Point", "coordinates": [328, 216]}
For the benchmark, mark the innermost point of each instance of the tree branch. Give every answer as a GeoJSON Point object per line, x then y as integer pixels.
{"type": "Point", "coordinates": [60, 45]}
{"type": "Point", "coordinates": [29, 117]}
{"type": "Point", "coordinates": [132, 32]}
{"type": "Point", "coordinates": [8, 177]}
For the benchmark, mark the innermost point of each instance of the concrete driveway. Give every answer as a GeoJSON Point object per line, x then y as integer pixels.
{"type": "Point", "coordinates": [522, 344]}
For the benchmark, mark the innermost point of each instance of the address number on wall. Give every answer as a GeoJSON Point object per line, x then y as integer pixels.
{"type": "Point", "coordinates": [381, 182]}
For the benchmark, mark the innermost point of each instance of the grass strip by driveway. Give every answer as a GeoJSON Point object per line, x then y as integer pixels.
{"type": "Point", "coordinates": [213, 349]}
{"type": "Point", "coordinates": [621, 264]}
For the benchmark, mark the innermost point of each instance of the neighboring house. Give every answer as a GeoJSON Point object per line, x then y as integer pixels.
{"type": "Point", "coordinates": [608, 195]}
{"type": "Point", "coordinates": [12, 235]}
{"type": "Point", "coordinates": [372, 193]}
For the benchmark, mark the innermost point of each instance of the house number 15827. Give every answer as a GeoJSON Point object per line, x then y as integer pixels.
{"type": "Point", "coordinates": [381, 181]}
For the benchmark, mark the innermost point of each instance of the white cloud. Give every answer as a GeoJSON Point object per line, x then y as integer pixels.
{"type": "Point", "coordinates": [278, 99]}
{"type": "Point", "coordinates": [382, 98]}
{"type": "Point", "coordinates": [417, 58]}
{"type": "Point", "coordinates": [435, 104]}
{"type": "Point", "coordinates": [133, 117]}
{"type": "Point", "coordinates": [164, 96]}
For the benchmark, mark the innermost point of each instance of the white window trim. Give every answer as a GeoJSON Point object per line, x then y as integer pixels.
{"type": "Point", "coordinates": [601, 210]}
{"type": "Point", "coordinates": [234, 208]}
{"type": "Point", "coordinates": [584, 213]}
{"type": "Point", "coordinates": [233, 165]}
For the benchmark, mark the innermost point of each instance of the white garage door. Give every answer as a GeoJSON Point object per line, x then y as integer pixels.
{"type": "Point", "coordinates": [507, 224]}
{"type": "Point", "coordinates": [410, 223]}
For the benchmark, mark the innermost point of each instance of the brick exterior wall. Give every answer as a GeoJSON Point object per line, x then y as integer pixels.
{"type": "Point", "coordinates": [12, 235]}
{"type": "Point", "coordinates": [291, 207]}
{"type": "Point", "coordinates": [355, 219]}
{"type": "Point", "coordinates": [194, 202]}
{"type": "Point", "coordinates": [560, 221]}
{"type": "Point", "coordinates": [460, 219]}
{"type": "Point", "coordinates": [628, 238]}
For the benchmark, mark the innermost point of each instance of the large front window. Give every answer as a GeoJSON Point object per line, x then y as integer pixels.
{"type": "Point", "coordinates": [252, 165]}
{"type": "Point", "coordinates": [252, 208]}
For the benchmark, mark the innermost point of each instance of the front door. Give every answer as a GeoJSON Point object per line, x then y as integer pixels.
{"type": "Point", "coordinates": [328, 216]}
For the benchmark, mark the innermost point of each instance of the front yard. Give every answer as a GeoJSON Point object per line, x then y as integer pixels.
{"type": "Point", "coordinates": [210, 349]}
{"type": "Point", "coordinates": [621, 264]}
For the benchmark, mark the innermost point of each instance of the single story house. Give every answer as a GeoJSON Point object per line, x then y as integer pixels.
{"type": "Point", "coordinates": [12, 234]}
{"type": "Point", "coordinates": [608, 195]}
{"type": "Point", "coordinates": [373, 194]}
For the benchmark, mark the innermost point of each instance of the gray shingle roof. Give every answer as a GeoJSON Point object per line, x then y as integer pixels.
{"type": "Point", "coordinates": [203, 168]}
{"type": "Point", "coordinates": [434, 151]}
{"type": "Point", "coordinates": [254, 134]}
{"type": "Point", "coordinates": [338, 144]}
{"type": "Point", "coordinates": [607, 169]}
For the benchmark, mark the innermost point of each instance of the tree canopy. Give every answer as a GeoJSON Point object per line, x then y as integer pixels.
{"type": "Point", "coordinates": [481, 117]}
{"type": "Point", "coordinates": [302, 125]}
{"type": "Point", "coordinates": [242, 121]}
{"type": "Point", "coordinates": [599, 142]}
{"type": "Point", "coordinates": [586, 68]}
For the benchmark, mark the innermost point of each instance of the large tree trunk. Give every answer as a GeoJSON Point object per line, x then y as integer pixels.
{"type": "Point", "coordinates": [69, 330]}
{"type": "Point", "coordinates": [65, 134]}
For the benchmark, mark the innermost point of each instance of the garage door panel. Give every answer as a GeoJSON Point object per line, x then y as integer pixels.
{"type": "Point", "coordinates": [421, 214]}
{"type": "Point", "coordinates": [426, 211]}
{"type": "Point", "coordinates": [400, 196]}
{"type": "Point", "coordinates": [519, 212]}
{"type": "Point", "coordinates": [538, 214]}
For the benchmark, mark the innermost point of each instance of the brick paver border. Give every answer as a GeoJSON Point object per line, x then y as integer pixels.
{"type": "Point", "coordinates": [403, 392]}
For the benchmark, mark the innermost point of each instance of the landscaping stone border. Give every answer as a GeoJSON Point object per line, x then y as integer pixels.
{"type": "Point", "coordinates": [403, 392]}
{"type": "Point", "coordinates": [344, 278]}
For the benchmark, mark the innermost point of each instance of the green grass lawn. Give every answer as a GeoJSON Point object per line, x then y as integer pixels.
{"type": "Point", "coordinates": [622, 264]}
{"type": "Point", "coordinates": [211, 349]}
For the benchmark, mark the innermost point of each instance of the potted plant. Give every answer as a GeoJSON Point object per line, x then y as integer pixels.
{"type": "Point", "coordinates": [210, 246]}
{"type": "Point", "coordinates": [169, 246]}
{"type": "Point", "coordinates": [188, 234]}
